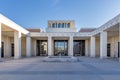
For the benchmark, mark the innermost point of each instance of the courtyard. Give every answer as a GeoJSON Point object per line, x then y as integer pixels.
{"type": "Point", "coordinates": [35, 69]}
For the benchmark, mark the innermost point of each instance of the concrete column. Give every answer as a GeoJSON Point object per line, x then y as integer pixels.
{"type": "Point", "coordinates": [17, 43]}
{"type": "Point", "coordinates": [35, 45]}
{"type": "Point", "coordinates": [49, 46]}
{"type": "Point", "coordinates": [71, 46]}
{"type": "Point", "coordinates": [28, 46]}
{"type": "Point", "coordinates": [0, 39]}
{"type": "Point", "coordinates": [52, 46]}
{"type": "Point", "coordinates": [103, 44]}
{"type": "Point", "coordinates": [7, 47]}
{"type": "Point", "coordinates": [86, 47]}
{"type": "Point", "coordinates": [92, 46]}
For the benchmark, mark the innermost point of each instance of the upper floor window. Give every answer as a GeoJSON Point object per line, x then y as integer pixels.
{"type": "Point", "coordinates": [53, 25]}
{"type": "Point", "coordinates": [59, 25]}
{"type": "Point", "coordinates": [63, 25]}
{"type": "Point", "coordinates": [68, 25]}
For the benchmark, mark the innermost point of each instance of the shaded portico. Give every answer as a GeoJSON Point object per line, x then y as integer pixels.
{"type": "Point", "coordinates": [105, 40]}
{"type": "Point", "coordinates": [10, 33]}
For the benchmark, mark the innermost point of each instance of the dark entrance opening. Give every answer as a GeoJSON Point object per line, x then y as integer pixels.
{"type": "Point", "coordinates": [12, 49]}
{"type": "Point", "coordinates": [42, 48]}
{"type": "Point", "coordinates": [2, 49]}
{"type": "Point", "coordinates": [108, 50]}
{"type": "Point", "coordinates": [60, 48]}
{"type": "Point", "coordinates": [118, 49]}
{"type": "Point", "coordinates": [79, 48]}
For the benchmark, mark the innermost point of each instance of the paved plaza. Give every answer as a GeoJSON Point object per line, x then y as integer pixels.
{"type": "Point", "coordinates": [35, 69]}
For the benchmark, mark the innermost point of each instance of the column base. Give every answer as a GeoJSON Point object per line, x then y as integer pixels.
{"type": "Point", "coordinates": [103, 57]}
{"type": "Point", "coordinates": [1, 60]}
{"type": "Point", "coordinates": [92, 56]}
{"type": "Point", "coordinates": [17, 57]}
{"type": "Point", "coordinates": [28, 56]}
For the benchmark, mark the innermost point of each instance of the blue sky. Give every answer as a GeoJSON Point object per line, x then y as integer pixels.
{"type": "Point", "coordinates": [36, 13]}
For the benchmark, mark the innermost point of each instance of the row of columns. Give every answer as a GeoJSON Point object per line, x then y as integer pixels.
{"type": "Point", "coordinates": [103, 45]}
{"type": "Point", "coordinates": [17, 44]}
{"type": "Point", "coordinates": [50, 46]}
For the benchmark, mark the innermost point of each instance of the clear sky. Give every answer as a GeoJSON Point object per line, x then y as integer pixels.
{"type": "Point", "coordinates": [36, 13]}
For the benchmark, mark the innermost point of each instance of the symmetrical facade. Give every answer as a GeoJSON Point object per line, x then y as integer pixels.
{"type": "Point", "coordinates": [60, 39]}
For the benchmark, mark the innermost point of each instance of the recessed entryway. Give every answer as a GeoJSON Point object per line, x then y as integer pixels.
{"type": "Point", "coordinates": [108, 50]}
{"type": "Point", "coordinates": [42, 48]}
{"type": "Point", "coordinates": [12, 49]}
{"type": "Point", "coordinates": [2, 50]}
{"type": "Point", "coordinates": [79, 48]}
{"type": "Point", "coordinates": [60, 47]}
{"type": "Point", "coordinates": [118, 49]}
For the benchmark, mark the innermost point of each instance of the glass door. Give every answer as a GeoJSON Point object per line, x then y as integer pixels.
{"type": "Point", "coordinates": [79, 48]}
{"type": "Point", "coordinates": [60, 48]}
{"type": "Point", "coordinates": [42, 49]}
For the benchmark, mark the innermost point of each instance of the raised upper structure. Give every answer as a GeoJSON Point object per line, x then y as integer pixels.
{"type": "Point", "coordinates": [61, 26]}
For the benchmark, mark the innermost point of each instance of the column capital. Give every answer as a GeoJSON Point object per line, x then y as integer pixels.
{"type": "Point", "coordinates": [28, 35]}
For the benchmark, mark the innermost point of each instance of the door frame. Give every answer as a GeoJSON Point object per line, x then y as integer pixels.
{"type": "Point", "coordinates": [81, 53]}
{"type": "Point", "coordinates": [38, 44]}
{"type": "Point", "coordinates": [64, 46]}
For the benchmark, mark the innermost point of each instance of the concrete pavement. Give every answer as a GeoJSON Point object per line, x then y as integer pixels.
{"type": "Point", "coordinates": [36, 69]}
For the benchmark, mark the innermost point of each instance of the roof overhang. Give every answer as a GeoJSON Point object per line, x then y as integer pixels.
{"type": "Point", "coordinates": [12, 24]}
{"type": "Point", "coordinates": [107, 25]}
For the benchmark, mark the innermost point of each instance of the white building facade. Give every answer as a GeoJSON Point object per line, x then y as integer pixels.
{"type": "Point", "coordinates": [60, 39]}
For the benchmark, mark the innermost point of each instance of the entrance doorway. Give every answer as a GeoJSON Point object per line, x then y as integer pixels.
{"type": "Point", "coordinates": [79, 48]}
{"type": "Point", "coordinates": [2, 49]}
{"type": "Point", "coordinates": [60, 48]}
{"type": "Point", "coordinates": [108, 50]}
{"type": "Point", "coordinates": [42, 48]}
{"type": "Point", "coordinates": [12, 49]}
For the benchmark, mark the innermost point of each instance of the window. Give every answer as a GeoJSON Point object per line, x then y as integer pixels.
{"type": "Point", "coordinates": [53, 25]}
{"type": "Point", "coordinates": [68, 25]}
{"type": "Point", "coordinates": [59, 25]}
{"type": "Point", "coordinates": [63, 25]}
